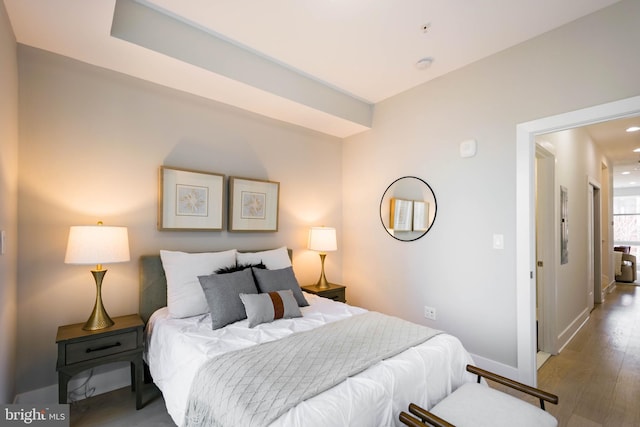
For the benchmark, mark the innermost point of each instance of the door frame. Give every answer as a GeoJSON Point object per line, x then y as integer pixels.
{"type": "Point", "coordinates": [525, 216]}
{"type": "Point", "coordinates": [546, 212]}
{"type": "Point", "coordinates": [595, 251]}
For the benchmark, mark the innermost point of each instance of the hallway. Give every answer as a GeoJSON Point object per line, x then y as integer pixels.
{"type": "Point", "coordinates": [597, 376]}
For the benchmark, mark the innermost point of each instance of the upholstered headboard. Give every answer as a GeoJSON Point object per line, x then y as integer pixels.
{"type": "Point", "coordinates": [153, 284]}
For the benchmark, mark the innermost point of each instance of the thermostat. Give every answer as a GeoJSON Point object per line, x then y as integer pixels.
{"type": "Point", "coordinates": [468, 148]}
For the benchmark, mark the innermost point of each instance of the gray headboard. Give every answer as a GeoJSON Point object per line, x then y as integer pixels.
{"type": "Point", "coordinates": [153, 284]}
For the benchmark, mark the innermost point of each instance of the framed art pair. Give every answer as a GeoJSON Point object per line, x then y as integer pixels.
{"type": "Point", "coordinates": [409, 215]}
{"type": "Point", "coordinates": [190, 200]}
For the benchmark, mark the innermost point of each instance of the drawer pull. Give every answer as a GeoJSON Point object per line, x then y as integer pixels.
{"type": "Point", "coordinates": [105, 347]}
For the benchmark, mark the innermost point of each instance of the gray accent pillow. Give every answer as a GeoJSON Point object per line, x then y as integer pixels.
{"type": "Point", "coordinates": [222, 292]}
{"type": "Point", "coordinates": [279, 280]}
{"type": "Point", "coordinates": [264, 308]}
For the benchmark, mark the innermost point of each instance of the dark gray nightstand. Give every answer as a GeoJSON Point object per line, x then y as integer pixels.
{"type": "Point", "coordinates": [334, 292]}
{"type": "Point", "coordinates": [79, 350]}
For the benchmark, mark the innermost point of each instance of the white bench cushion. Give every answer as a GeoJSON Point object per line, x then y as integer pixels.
{"type": "Point", "coordinates": [478, 405]}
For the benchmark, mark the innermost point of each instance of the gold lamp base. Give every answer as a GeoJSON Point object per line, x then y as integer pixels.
{"type": "Point", "coordinates": [99, 318]}
{"type": "Point", "coordinates": [322, 282]}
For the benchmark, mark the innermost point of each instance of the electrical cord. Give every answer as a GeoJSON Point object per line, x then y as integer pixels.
{"type": "Point", "coordinates": [83, 391]}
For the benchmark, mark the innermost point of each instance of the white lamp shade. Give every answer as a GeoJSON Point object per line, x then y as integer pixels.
{"type": "Point", "coordinates": [322, 239]}
{"type": "Point", "coordinates": [97, 244]}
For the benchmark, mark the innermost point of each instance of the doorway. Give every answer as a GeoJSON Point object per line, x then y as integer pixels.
{"type": "Point", "coordinates": [525, 216]}
{"type": "Point", "coordinates": [594, 282]}
{"type": "Point", "coordinates": [605, 237]}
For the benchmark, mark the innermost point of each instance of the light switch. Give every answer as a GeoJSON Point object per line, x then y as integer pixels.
{"type": "Point", "coordinates": [498, 241]}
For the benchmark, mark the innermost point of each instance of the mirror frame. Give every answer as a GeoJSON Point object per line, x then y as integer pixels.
{"type": "Point", "coordinates": [435, 212]}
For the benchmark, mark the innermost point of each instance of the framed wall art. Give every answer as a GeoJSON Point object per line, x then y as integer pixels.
{"type": "Point", "coordinates": [420, 215]}
{"type": "Point", "coordinates": [401, 215]}
{"type": "Point", "coordinates": [253, 204]}
{"type": "Point", "coordinates": [190, 200]}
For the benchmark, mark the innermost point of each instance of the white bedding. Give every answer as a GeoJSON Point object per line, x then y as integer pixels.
{"type": "Point", "coordinates": [424, 374]}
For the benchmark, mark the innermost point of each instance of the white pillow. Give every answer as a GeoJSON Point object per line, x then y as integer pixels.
{"type": "Point", "coordinates": [275, 259]}
{"type": "Point", "coordinates": [185, 296]}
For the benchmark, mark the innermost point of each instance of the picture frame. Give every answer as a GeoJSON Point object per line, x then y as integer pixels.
{"type": "Point", "coordinates": [401, 217]}
{"type": "Point", "coordinates": [253, 204]}
{"type": "Point", "coordinates": [190, 200]}
{"type": "Point", "coordinates": [420, 215]}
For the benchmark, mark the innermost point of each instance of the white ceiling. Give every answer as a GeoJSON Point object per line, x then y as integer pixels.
{"type": "Point", "coordinates": [618, 146]}
{"type": "Point", "coordinates": [363, 49]}
{"type": "Point", "coordinates": [369, 48]}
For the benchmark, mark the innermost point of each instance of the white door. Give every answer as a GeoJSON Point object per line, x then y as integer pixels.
{"type": "Point", "coordinates": [545, 200]}
{"type": "Point", "coordinates": [590, 263]}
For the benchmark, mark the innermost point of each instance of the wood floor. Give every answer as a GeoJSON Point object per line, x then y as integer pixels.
{"type": "Point", "coordinates": [597, 377]}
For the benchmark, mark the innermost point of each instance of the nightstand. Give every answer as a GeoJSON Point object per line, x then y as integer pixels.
{"type": "Point", "coordinates": [334, 292]}
{"type": "Point", "coordinates": [79, 350]}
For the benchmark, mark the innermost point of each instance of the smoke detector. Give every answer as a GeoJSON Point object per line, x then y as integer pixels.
{"type": "Point", "coordinates": [424, 63]}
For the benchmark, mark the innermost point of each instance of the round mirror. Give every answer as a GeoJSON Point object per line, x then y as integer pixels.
{"type": "Point", "coordinates": [408, 208]}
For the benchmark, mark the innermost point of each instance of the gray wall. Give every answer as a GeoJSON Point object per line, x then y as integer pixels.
{"type": "Point", "coordinates": [454, 268]}
{"type": "Point", "coordinates": [8, 205]}
{"type": "Point", "coordinates": [91, 142]}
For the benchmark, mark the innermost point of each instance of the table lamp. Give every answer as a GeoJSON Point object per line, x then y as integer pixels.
{"type": "Point", "coordinates": [97, 244]}
{"type": "Point", "coordinates": [323, 240]}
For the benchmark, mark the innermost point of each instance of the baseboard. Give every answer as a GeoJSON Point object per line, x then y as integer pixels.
{"type": "Point", "coordinates": [567, 335]}
{"type": "Point", "coordinates": [500, 368]}
{"type": "Point", "coordinates": [609, 288]}
{"type": "Point", "coordinates": [496, 367]}
{"type": "Point", "coordinates": [102, 382]}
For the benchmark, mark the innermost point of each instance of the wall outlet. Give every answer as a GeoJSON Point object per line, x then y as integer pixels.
{"type": "Point", "coordinates": [429, 312]}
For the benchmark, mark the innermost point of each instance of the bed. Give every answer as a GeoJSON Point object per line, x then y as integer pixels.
{"type": "Point", "coordinates": [177, 349]}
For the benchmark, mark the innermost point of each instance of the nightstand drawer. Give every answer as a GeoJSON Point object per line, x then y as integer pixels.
{"type": "Point", "coordinates": [336, 295]}
{"type": "Point", "coordinates": [99, 347]}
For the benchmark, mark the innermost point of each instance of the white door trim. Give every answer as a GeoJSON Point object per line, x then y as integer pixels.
{"type": "Point", "coordinates": [590, 251]}
{"type": "Point", "coordinates": [525, 216]}
{"type": "Point", "coordinates": [596, 244]}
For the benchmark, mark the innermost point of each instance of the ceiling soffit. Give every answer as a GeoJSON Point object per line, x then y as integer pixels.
{"type": "Point", "coordinates": [166, 35]}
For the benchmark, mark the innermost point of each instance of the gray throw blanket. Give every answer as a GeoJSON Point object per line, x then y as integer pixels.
{"type": "Point", "coordinates": [254, 386]}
